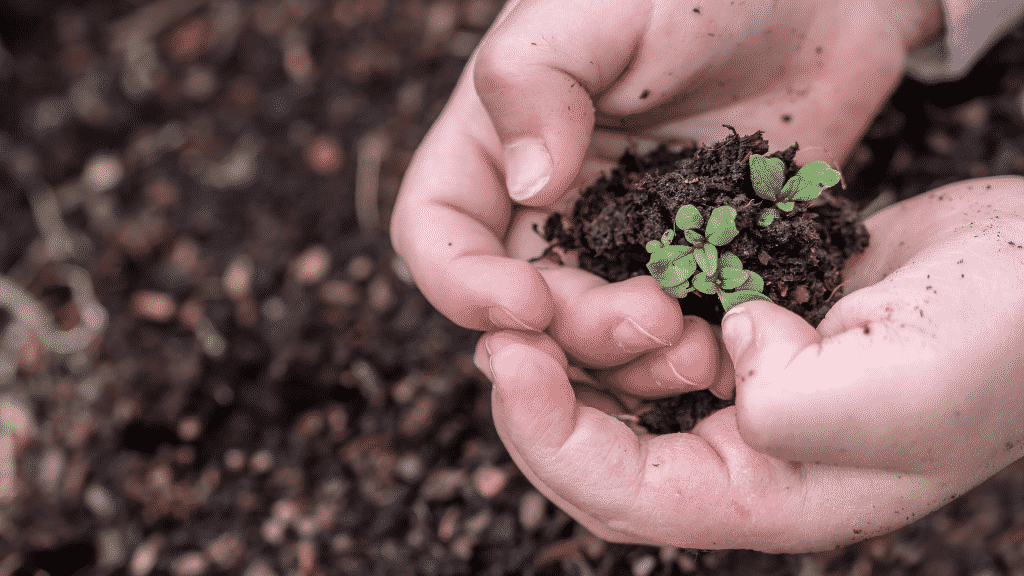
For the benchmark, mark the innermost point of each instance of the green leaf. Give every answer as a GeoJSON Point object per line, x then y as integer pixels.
{"type": "Point", "coordinates": [733, 278]}
{"type": "Point", "coordinates": [768, 215]}
{"type": "Point", "coordinates": [722, 226]}
{"type": "Point", "coordinates": [672, 266]}
{"type": "Point", "coordinates": [653, 245]}
{"type": "Point", "coordinates": [694, 237]}
{"type": "Point", "coordinates": [701, 282]}
{"type": "Point", "coordinates": [679, 291]}
{"type": "Point", "coordinates": [707, 259]}
{"type": "Point", "coordinates": [786, 206]}
{"type": "Point", "coordinates": [754, 282]}
{"type": "Point", "coordinates": [732, 299]}
{"type": "Point", "coordinates": [688, 218]}
{"type": "Point", "coordinates": [668, 237]}
{"type": "Point", "coordinates": [810, 181]}
{"type": "Point", "coordinates": [766, 176]}
{"type": "Point", "coordinates": [730, 260]}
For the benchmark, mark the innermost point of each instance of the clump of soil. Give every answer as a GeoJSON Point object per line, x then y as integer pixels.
{"type": "Point", "coordinates": [800, 256]}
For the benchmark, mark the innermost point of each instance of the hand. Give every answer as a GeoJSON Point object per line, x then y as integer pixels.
{"type": "Point", "coordinates": [555, 92]}
{"type": "Point", "coordinates": [906, 396]}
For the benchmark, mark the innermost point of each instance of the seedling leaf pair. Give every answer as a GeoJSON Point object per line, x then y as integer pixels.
{"type": "Point", "coordinates": [673, 265]}
{"type": "Point", "coordinates": [767, 176]}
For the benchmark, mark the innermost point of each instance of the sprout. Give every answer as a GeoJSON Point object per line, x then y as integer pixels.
{"type": "Point", "coordinates": [731, 283]}
{"type": "Point", "coordinates": [767, 176]}
{"type": "Point", "coordinates": [672, 266]}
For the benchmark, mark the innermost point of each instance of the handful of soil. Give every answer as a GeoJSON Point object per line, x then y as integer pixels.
{"type": "Point", "coordinates": [800, 256]}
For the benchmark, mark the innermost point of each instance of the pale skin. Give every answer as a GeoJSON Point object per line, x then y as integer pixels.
{"type": "Point", "coordinates": [838, 433]}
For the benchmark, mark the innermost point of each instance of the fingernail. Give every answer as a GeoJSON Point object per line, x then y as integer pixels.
{"type": "Point", "coordinates": [737, 332]}
{"type": "Point", "coordinates": [528, 168]}
{"type": "Point", "coordinates": [502, 318]}
{"type": "Point", "coordinates": [666, 375]}
{"type": "Point", "coordinates": [629, 334]}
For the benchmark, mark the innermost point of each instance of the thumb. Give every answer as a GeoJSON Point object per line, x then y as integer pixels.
{"type": "Point", "coordinates": [535, 73]}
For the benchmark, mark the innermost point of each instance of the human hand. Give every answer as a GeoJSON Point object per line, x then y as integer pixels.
{"type": "Point", "coordinates": [906, 396]}
{"type": "Point", "coordinates": [555, 92]}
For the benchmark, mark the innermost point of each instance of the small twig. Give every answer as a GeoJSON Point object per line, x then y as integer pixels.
{"type": "Point", "coordinates": [371, 151]}
{"type": "Point", "coordinates": [30, 312]}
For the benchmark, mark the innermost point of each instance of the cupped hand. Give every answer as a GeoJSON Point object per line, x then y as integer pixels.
{"type": "Point", "coordinates": [906, 396]}
{"type": "Point", "coordinates": [558, 89]}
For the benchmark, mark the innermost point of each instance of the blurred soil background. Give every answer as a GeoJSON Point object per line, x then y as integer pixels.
{"type": "Point", "coordinates": [211, 361]}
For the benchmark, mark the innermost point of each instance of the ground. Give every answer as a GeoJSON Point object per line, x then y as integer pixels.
{"type": "Point", "coordinates": [199, 190]}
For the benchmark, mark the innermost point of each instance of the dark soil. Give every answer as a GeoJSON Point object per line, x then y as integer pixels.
{"type": "Point", "coordinates": [800, 256]}
{"type": "Point", "coordinates": [270, 394]}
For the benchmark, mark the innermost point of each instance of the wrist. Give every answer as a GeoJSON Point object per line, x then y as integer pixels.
{"type": "Point", "coordinates": [918, 22]}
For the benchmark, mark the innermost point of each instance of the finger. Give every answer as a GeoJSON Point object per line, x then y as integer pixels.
{"type": "Point", "coordinates": [536, 71]}
{"type": "Point", "coordinates": [603, 324]}
{"type": "Point", "coordinates": [691, 363]}
{"type": "Point", "coordinates": [450, 220]}
{"type": "Point", "coordinates": [899, 368]}
{"type": "Point", "coordinates": [705, 490]}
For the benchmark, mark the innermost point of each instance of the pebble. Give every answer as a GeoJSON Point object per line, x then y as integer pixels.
{"type": "Point", "coordinates": [234, 460]}
{"type": "Point", "coordinates": [360, 268]}
{"type": "Point", "coordinates": [687, 563]}
{"type": "Point", "coordinates": [190, 40]}
{"type": "Point", "coordinates": [312, 265]}
{"type": "Point", "coordinates": [477, 523]}
{"type": "Point", "coordinates": [51, 467]}
{"type": "Point", "coordinates": [409, 467]}
{"type": "Point", "coordinates": [442, 484]}
{"type": "Point", "coordinates": [380, 296]}
{"type": "Point", "coordinates": [145, 556]}
{"type": "Point", "coordinates": [102, 173]}
{"type": "Point", "coordinates": [324, 155]}
{"type": "Point", "coordinates": [973, 114]}
{"type": "Point", "coordinates": [199, 83]}
{"type": "Point", "coordinates": [489, 480]}
{"type": "Point", "coordinates": [99, 501]}
{"type": "Point", "coordinates": [153, 306]}
{"type": "Point", "coordinates": [190, 564]}
{"type": "Point", "coordinates": [532, 508]}
{"type": "Point", "coordinates": [261, 462]}
{"type": "Point", "coordinates": [259, 567]}
{"type": "Point", "coordinates": [644, 565]}
{"type": "Point", "coordinates": [189, 428]}
{"type": "Point", "coordinates": [339, 293]}
{"type": "Point", "coordinates": [162, 193]}
{"type": "Point", "coordinates": [418, 417]}
{"type": "Point", "coordinates": [305, 552]}
{"type": "Point", "coordinates": [237, 279]}
{"type": "Point", "coordinates": [109, 548]}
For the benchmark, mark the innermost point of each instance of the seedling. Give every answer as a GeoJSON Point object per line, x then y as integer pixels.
{"type": "Point", "coordinates": [767, 176]}
{"type": "Point", "coordinates": [672, 266]}
{"type": "Point", "coordinates": [731, 283]}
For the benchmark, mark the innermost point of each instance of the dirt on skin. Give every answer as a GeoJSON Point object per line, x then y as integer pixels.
{"type": "Point", "coordinates": [800, 255]}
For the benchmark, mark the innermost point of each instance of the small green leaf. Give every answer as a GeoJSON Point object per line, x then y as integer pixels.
{"type": "Point", "coordinates": [768, 215]}
{"type": "Point", "coordinates": [754, 282]}
{"type": "Point", "coordinates": [722, 226]}
{"type": "Point", "coordinates": [694, 237]}
{"type": "Point", "coordinates": [668, 237]}
{"type": "Point", "coordinates": [707, 259]}
{"type": "Point", "coordinates": [766, 176]}
{"type": "Point", "coordinates": [732, 299]}
{"type": "Point", "coordinates": [688, 218]}
{"type": "Point", "coordinates": [679, 291]}
{"type": "Point", "coordinates": [672, 266]}
{"type": "Point", "coordinates": [730, 260]}
{"type": "Point", "coordinates": [810, 181]}
{"type": "Point", "coordinates": [653, 245]}
{"type": "Point", "coordinates": [733, 278]}
{"type": "Point", "coordinates": [786, 206]}
{"type": "Point", "coordinates": [701, 282]}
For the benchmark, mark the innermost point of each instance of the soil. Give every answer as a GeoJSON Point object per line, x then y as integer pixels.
{"type": "Point", "coordinates": [270, 394]}
{"type": "Point", "coordinates": [800, 256]}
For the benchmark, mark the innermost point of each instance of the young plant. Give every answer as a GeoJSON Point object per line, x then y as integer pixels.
{"type": "Point", "coordinates": [672, 266]}
{"type": "Point", "coordinates": [731, 283]}
{"type": "Point", "coordinates": [767, 176]}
